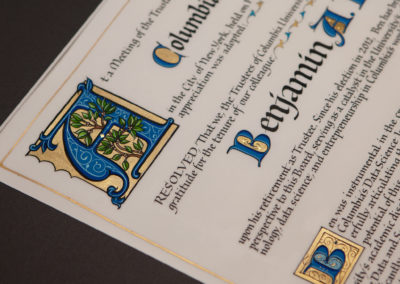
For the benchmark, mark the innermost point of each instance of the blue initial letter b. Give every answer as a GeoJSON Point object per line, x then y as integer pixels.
{"type": "Point", "coordinates": [330, 264]}
{"type": "Point", "coordinates": [254, 147]}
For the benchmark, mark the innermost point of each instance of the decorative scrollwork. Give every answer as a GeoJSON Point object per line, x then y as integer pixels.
{"type": "Point", "coordinates": [101, 138]}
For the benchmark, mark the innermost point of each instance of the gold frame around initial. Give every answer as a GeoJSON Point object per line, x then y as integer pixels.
{"type": "Point", "coordinates": [81, 205]}
{"type": "Point", "coordinates": [332, 241]}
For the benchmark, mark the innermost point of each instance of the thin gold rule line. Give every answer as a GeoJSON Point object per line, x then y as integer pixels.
{"type": "Point", "coordinates": [71, 199]}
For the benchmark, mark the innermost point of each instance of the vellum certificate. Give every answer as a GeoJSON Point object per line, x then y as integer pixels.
{"type": "Point", "coordinates": [238, 141]}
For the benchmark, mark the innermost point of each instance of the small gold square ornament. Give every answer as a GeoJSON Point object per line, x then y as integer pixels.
{"type": "Point", "coordinates": [329, 260]}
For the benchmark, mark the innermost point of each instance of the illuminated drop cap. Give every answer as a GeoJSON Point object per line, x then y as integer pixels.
{"type": "Point", "coordinates": [165, 57]}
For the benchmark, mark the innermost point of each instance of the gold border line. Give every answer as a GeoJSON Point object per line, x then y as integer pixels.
{"type": "Point", "coordinates": [76, 202]}
{"type": "Point", "coordinates": [119, 225]}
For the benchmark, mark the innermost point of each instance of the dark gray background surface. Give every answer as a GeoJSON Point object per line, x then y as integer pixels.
{"type": "Point", "coordinates": [39, 244]}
